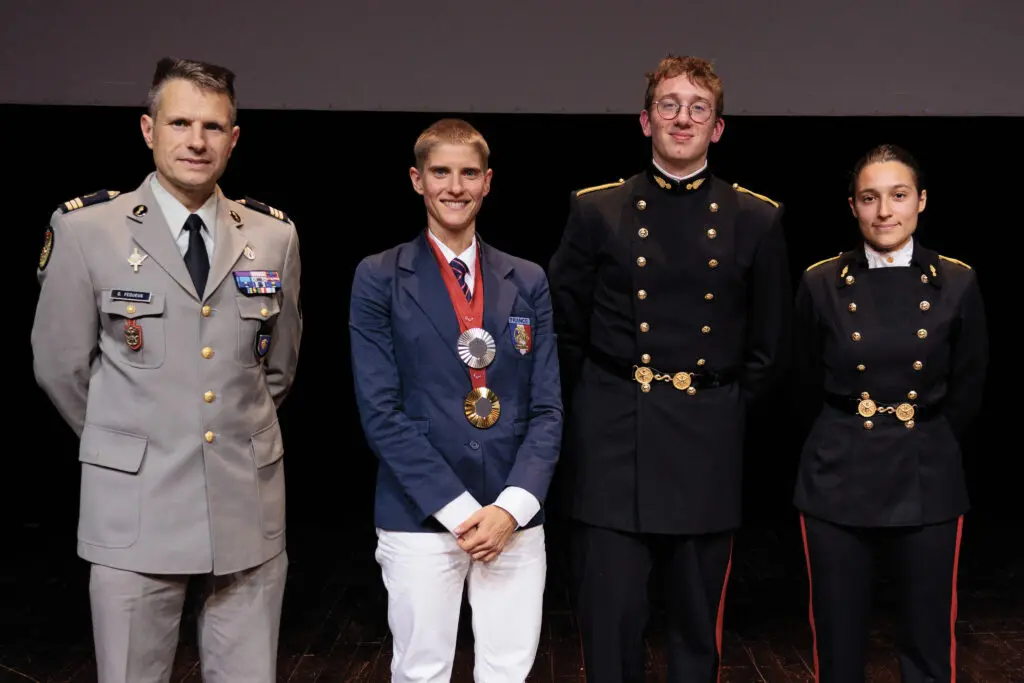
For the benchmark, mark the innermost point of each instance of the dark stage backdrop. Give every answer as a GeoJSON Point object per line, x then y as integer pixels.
{"type": "Point", "coordinates": [343, 177]}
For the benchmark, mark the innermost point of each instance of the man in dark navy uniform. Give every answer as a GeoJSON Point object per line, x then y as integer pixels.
{"type": "Point", "coordinates": [672, 304]}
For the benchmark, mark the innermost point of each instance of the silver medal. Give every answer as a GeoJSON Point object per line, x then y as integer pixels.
{"type": "Point", "coordinates": [476, 348]}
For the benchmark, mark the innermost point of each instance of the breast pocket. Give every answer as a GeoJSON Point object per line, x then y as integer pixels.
{"type": "Point", "coordinates": [256, 316]}
{"type": "Point", "coordinates": [138, 328]}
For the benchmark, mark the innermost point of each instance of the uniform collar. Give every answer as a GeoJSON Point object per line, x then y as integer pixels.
{"type": "Point", "coordinates": [672, 185]}
{"type": "Point", "coordinates": [856, 260]}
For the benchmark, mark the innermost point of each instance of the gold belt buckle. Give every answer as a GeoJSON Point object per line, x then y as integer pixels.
{"type": "Point", "coordinates": [682, 381]}
{"type": "Point", "coordinates": [905, 412]}
{"type": "Point", "coordinates": [867, 408]}
{"type": "Point", "coordinates": [645, 375]}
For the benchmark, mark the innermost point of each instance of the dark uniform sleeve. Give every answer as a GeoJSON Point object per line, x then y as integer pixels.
{"type": "Point", "coordinates": [572, 274]}
{"type": "Point", "coordinates": [968, 362]}
{"type": "Point", "coordinates": [771, 305]}
{"type": "Point", "coordinates": [808, 368]}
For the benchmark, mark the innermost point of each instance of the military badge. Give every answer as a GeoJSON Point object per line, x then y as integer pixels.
{"type": "Point", "coordinates": [133, 335]}
{"type": "Point", "coordinates": [249, 253]}
{"type": "Point", "coordinates": [44, 255]}
{"type": "Point", "coordinates": [251, 282]}
{"type": "Point", "coordinates": [262, 345]}
{"type": "Point", "coordinates": [136, 259]}
{"type": "Point", "coordinates": [522, 337]}
{"type": "Point", "coordinates": [234, 216]}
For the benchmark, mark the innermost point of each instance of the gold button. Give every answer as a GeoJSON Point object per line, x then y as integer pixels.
{"type": "Point", "coordinates": [209, 437]}
{"type": "Point", "coordinates": [909, 424]}
{"type": "Point", "coordinates": [861, 368]}
{"type": "Point", "coordinates": [642, 294]}
{"type": "Point", "coordinates": [701, 362]}
{"type": "Point", "coordinates": [918, 365]}
{"type": "Point", "coordinates": [130, 308]}
{"type": "Point", "coordinates": [643, 232]}
{"type": "Point", "coordinates": [864, 395]}
{"type": "Point", "coordinates": [264, 312]}
{"type": "Point", "coordinates": [912, 394]}
{"type": "Point", "coordinates": [691, 390]}
{"type": "Point", "coordinates": [852, 307]}
{"type": "Point", "coordinates": [709, 297]}
{"type": "Point", "coordinates": [641, 261]}
{"type": "Point", "coordinates": [850, 279]}
{"type": "Point", "coordinates": [207, 352]}
{"type": "Point", "coordinates": [645, 359]}
{"type": "Point", "coordinates": [208, 397]}
{"type": "Point", "coordinates": [714, 207]}
{"type": "Point", "coordinates": [645, 387]}
{"type": "Point", "coordinates": [713, 263]}
{"type": "Point", "coordinates": [855, 336]}
{"type": "Point", "coordinates": [922, 333]}
{"type": "Point", "coordinates": [706, 329]}
{"type": "Point", "coordinates": [868, 424]}
{"type": "Point", "coordinates": [207, 311]}
{"type": "Point", "coordinates": [641, 204]}
{"type": "Point", "coordinates": [644, 327]}
{"type": "Point", "coordinates": [712, 233]}
{"type": "Point", "coordinates": [924, 278]}
{"type": "Point", "coordinates": [925, 305]}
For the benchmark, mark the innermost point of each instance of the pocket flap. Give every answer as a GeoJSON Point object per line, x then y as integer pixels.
{"type": "Point", "coordinates": [116, 450]}
{"type": "Point", "coordinates": [258, 308]}
{"type": "Point", "coordinates": [132, 309]}
{"type": "Point", "coordinates": [267, 445]}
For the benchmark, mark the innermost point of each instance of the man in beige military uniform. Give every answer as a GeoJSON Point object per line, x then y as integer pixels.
{"type": "Point", "coordinates": [167, 335]}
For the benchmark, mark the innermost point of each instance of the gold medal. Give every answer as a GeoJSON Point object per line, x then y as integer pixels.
{"type": "Point", "coordinates": [482, 408]}
{"type": "Point", "coordinates": [476, 348]}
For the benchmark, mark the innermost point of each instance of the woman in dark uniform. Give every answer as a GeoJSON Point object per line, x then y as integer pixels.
{"type": "Point", "coordinates": [892, 353]}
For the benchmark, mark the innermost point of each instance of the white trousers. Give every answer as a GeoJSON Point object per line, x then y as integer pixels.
{"type": "Point", "coordinates": [136, 617]}
{"type": "Point", "coordinates": [424, 574]}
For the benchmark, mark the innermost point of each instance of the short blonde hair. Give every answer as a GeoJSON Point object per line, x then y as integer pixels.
{"type": "Point", "coordinates": [453, 132]}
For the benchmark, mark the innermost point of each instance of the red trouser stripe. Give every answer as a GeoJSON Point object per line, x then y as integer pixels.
{"type": "Point", "coordinates": [953, 603]}
{"type": "Point", "coordinates": [721, 612]}
{"type": "Point", "coordinates": [810, 599]}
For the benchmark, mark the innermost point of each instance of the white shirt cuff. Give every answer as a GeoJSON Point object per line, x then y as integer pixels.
{"type": "Point", "coordinates": [457, 511]}
{"type": "Point", "coordinates": [519, 503]}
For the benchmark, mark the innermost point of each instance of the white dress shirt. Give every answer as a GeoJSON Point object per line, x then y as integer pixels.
{"type": "Point", "coordinates": [176, 214]}
{"type": "Point", "coordinates": [679, 178]}
{"type": "Point", "coordinates": [890, 259]}
{"type": "Point", "coordinates": [516, 501]}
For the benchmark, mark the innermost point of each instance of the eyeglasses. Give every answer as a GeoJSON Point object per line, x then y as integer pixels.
{"type": "Point", "coordinates": [699, 111]}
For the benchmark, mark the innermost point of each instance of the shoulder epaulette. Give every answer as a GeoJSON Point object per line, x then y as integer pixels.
{"type": "Point", "coordinates": [824, 260]}
{"type": "Point", "coordinates": [956, 261]}
{"type": "Point", "coordinates": [88, 200]}
{"type": "Point", "coordinates": [595, 188]}
{"type": "Point", "coordinates": [739, 188]}
{"type": "Point", "coordinates": [263, 208]}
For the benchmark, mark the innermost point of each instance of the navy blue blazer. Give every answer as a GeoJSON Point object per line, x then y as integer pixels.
{"type": "Point", "coordinates": [410, 385]}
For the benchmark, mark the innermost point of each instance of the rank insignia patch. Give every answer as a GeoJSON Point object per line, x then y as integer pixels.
{"type": "Point", "coordinates": [522, 337]}
{"type": "Point", "coordinates": [258, 281]}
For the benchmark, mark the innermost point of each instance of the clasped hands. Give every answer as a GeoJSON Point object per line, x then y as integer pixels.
{"type": "Point", "coordinates": [485, 532]}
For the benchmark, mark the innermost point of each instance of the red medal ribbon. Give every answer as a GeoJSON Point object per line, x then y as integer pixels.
{"type": "Point", "coordinates": [469, 313]}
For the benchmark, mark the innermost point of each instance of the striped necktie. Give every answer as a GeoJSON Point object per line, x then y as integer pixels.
{"type": "Point", "coordinates": [461, 269]}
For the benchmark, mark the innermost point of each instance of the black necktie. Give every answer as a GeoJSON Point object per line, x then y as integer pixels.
{"type": "Point", "coordinates": [196, 259]}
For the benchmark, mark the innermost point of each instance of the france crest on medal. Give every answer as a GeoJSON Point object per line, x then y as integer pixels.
{"type": "Point", "coordinates": [522, 336]}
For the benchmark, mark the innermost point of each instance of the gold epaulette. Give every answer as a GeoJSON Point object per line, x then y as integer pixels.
{"type": "Point", "coordinates": [595, 188]}
{"type": "Point", "coordinates": [956, 261]}
{"type": "Point", "coordinates": [824, 260]}
{"type": "Point", "coordinates": [737, 187]}
{"type": "Point", "coordinates": [88, 200]}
